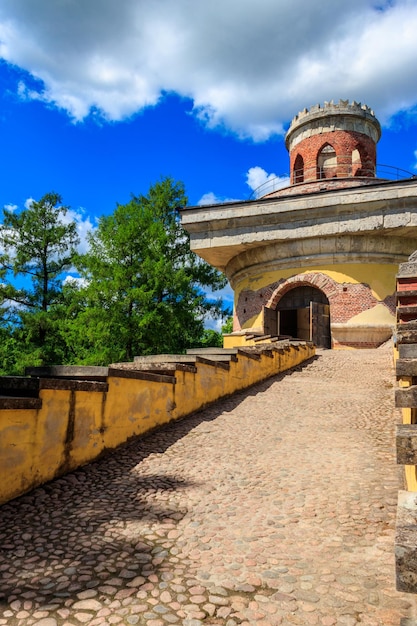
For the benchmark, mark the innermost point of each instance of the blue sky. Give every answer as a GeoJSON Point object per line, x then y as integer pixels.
{"type": "Point", "coordinates": [98, 98]}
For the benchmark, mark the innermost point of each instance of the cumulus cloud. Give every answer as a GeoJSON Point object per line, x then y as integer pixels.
{"type": "Point", "coordinates": [81, 219]}
{"type": "Point", "coordinates": [11, 207]}
{"type": "Point", "coordinates": [84, 226]}
{"type": "Point", "coordinates": [257, 177]}
{"type": "Point", "coordinates": [211, 198]}
{"type": "Point", "coordinates": [248, 67]}
{"type": "Point", "coordinates": [208, 198]}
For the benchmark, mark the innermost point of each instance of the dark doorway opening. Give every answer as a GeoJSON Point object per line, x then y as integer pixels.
{"type": "Point", "coordinates": [288, 322]}
{"type": "Point", "coordinates": [302, 313]}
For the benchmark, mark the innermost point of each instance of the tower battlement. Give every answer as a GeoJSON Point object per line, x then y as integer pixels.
{"type": "Point", "coordinates": [333, 116]}
{"type": "Point", "coordinates": [343, 106]}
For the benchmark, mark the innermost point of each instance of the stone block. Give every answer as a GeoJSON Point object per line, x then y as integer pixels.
{"type": "Point", "coordinates": [407, 351]}
{"type": "Point", "coordinates": [406, 398]}
{"type": "Point", "coordinates": [406, 542]}
{"type": "Point", "coordinates": [406, 442]}
{"type": "Point", "coordinates": [406, 367]}
{"type": "Point", "coordinates": [407, 269]}
{"type": "Point", "coordinates": [406, 336]}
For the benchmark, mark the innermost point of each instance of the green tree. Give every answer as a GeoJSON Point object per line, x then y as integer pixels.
{"type": "Point", "coordinates": [227, 327]}
{"type": "Point", "coordinates": [37, 244]}
{"type": "Point", "coordinates": [144, 289]}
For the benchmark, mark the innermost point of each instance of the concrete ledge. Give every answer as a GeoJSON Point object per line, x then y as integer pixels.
{"type": "Point", "coordinates": [69, 371]}
{"type": "Point", "coordinates": [210, 351]}
{"type": "Point", "coordinates": [406, 443]}
{"type": "Point", "coordinates": [349, 334]}
{"type": "Point", "coordinates": [8, 403]}
{"type": "Point", "coordinates": [20, 386]}
{"type": "Point", "coordinates": [72, 385]}
{"type": "Point", "coordinates": [406, 542]}
{"type": "Point", "coordinates": [166, 369]}
{"type": "Point", "coordinates": [140, 375]}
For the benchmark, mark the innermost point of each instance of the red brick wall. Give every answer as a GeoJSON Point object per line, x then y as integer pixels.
{"type": "Point", "coordinates": [346, 299]}
{"type": "Point", "coordinates": [344, 143]}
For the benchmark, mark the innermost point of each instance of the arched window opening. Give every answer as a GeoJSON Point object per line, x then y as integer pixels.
{"type": "Point", "coordinates": [327, 162]}
{"type": "Point", "coordinates": [298, 173]}
{"type": "Point", "coordinates": [356, 163]}
{"type": "Point", "coordinates": [362, 164]}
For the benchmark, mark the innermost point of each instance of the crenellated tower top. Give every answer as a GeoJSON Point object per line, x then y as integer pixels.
{"type": "Point", "coordinates": [334, 140]}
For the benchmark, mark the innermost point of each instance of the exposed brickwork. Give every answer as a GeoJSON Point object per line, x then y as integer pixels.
{"type": "Point", "coordinates": [344, 143]}
{"type": "Point", "coordinates": [346, 299]}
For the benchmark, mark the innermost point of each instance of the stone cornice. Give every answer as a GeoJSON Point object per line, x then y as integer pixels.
{"type": "Point", "coordinates": [220, 233]}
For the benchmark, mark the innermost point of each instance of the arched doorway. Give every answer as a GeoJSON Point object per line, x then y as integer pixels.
{"type": "Point", "coordinates": [304, 313]}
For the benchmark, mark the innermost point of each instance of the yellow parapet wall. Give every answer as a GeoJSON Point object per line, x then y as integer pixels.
{"type": "Point", "coordinates": [71, 422]}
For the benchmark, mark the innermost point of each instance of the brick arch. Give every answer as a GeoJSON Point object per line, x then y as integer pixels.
{"type": "Point", "coordinates": [320, 281]}
{"type": "Point", "coordinates": [298, 171]}
{"type": "Point", "coordinates": [324, 170]}
{"type": "Point", "coordinates": [367, 160]}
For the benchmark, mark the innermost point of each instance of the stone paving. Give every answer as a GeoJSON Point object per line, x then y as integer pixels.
{"type": "Point", "coordinates": [277, 506]}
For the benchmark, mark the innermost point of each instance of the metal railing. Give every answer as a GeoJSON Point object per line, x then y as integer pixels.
{"type": "Point", "coordinates": [310, 175]}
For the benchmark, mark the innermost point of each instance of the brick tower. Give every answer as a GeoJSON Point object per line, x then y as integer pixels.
{"type": "Point", "coordinates": [333, 141]}
{"type": "Point", "coordinates": [317, 259]}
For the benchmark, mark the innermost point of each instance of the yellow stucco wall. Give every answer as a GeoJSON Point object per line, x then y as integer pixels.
{"type": "Point", "coordinates": [380, 277]}
{"type": "Point", "coordinates": [73, 427]}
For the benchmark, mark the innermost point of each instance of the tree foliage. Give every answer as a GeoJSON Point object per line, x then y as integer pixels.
{"type": "Point", "coordinates": [144, 290]}
{"type": "Point", "coordinates": [37, 245]}
{"type": "Point", "coordinates": [140, 288]}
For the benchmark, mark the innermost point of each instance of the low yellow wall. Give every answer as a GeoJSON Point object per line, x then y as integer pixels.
{"type": "Point", "coordinates": [74, 426]}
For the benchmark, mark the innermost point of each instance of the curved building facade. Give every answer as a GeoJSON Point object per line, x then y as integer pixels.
{"type": "Point", "coordinates": [316, 260]}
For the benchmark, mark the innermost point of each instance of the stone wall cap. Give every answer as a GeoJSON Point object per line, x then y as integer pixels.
{"type": "Point", "coordinates": [330, 109]}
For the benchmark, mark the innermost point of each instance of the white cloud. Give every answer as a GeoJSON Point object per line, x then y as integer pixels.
{"type": "Point", "coordinates": [82, 221]}
{"type": "Point", "coordinates": [208, 198]}
{"type": "Point", "coordinates": [84, 226]}
{"type": "Point", "coordinates": [248, 67]}
{"type": "Point", "coordinates": [211, 198]}
{"type": "Point", "coordinates": [257, 177]}
{"type": "Point", "coordinates": [77, 281]}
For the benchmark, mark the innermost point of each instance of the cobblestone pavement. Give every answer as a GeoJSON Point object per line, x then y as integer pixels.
{"type": "Point", "coordinates": [276, 506]}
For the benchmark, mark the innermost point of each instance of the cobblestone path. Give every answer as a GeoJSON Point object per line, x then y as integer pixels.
{"type": "Point", "coordinates": [276, 506]}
